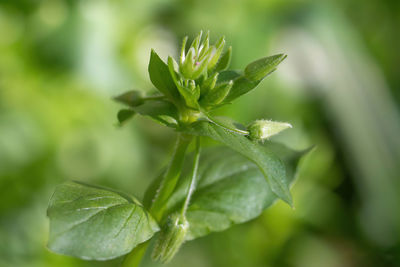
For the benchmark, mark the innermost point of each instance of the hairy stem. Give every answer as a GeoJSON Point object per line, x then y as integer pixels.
{"type": "Point", "coordinates": [193, 177]}
{"type": "Point", "coordinates": [171, 176]}
{"type": "Point", "coordinates": [165, 190]}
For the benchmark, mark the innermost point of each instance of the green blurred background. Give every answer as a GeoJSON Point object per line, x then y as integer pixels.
{"type": "Point", "coordinates": [61, 61]}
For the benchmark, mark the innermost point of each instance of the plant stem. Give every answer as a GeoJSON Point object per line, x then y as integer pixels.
{"type": "Point", "coordinates": [165, 190]}
{"type": "Point", "coordinates": [193, 178]}
{"type": "Point", "coordinates": [171, 176]}
{"type": "Point", "coordinates": [134, 258]}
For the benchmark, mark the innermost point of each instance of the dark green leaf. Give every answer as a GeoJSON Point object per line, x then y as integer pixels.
{"type": "Point", "coordinates": [162, 111]}
{"type": "Point", "coordinates": [94, 223]}
{"type": "Point", "coordinates": [270, 165]}
{"type": "Point", "coordinates": [161, 78]}
{"type": "Point", "coordinates": [259, 69]}
{"type": "Point", "coordinates": [124, 115]}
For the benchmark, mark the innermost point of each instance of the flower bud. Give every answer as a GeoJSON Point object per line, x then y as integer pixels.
{"type": "Point", "coordinates": [263, 129]}
{"type": "Point", "coordinates": [209, 84]}
{"type": "Point", "coordinates": [170, 238]}
{"type": "Point", "coordinates": [200, 58]}
{"type": "Point", "coordinates": [217, 95]}
{"type": "Point", "coordinates": [219, 47]}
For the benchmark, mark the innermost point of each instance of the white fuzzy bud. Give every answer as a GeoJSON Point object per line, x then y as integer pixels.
{"type": "Point", "coordinates": [263, 129]}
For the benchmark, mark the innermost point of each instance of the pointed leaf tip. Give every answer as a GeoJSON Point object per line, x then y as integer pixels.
{"type": "Point", "coordinates": [259, 69]}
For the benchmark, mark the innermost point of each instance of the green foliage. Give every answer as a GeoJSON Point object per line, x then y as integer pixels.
{"type": "Point", "coordinates": [95, 223]}
{"type": "Point", "coordinates": [270, 165]}
{"type": "Point", "coordinates": [223, 189]}
{"type": "Point", "coordinates": [231, 189]}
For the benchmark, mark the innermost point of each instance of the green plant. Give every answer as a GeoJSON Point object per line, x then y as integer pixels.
{"type": "Point", "coordinates": [193, 197]}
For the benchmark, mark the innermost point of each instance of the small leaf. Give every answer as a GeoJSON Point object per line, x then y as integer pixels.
{"type": "Point", "coordinates": [131, 98]}
{"type": "Point", "coordinates": [124, 115]}
{"type": "Point", "coordinates": [162, 111]}
{"type": "Point", "coordinates": [224, 61]}
{"type": "Point", "coordinates": [270, 165]}
{"type": "Point", "coordinates": [93, 223]}
{"type": "Point", "coordinates": [259, 69]}
{"type": "Point", "coordinates": [161, 78]}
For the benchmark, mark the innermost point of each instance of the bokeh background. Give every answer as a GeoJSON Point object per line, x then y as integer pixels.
{"type": "Point", "coordinates": [61, 61]}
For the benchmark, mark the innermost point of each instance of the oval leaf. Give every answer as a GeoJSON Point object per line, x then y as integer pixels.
{"type": "Point", "coordinates": [96, 224]}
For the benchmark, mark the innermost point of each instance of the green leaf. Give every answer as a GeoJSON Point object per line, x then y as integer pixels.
{"type": "Point", "coordinates": [241, 86]}
{"type": "Point", "coordinates": [161, 78]}
{"type": "Point", "coordinates": [131, 98]}
{"type": "Point", "coordinates": [161, 111]}
{"type": "Point", "coordinates": [270, 165]}
{"type": "Point", "coordinates": [231, 189]}
{"type": "Point", "coordinates": [259, 69]}
{"type": "Point", "coordinates": [93, 223]}
{"type": "Point", "coordinates": [124, 115]}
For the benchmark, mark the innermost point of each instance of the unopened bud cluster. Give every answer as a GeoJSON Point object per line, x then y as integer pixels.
{"type": "Point", "coordinates": [196, 75]}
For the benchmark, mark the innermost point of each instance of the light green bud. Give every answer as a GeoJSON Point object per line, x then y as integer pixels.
{"type": "Point", "coordinates": [170, 238]}
{"type": "Point", "coordinates": [263, 129]}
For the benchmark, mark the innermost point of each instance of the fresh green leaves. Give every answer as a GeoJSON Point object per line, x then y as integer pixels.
{"type": "Point", "coordinates": [161, 78]}
{"type": "Point", "coordinates": [94, 223]}
{"type": "Point", "coordinates": [270, 165]}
